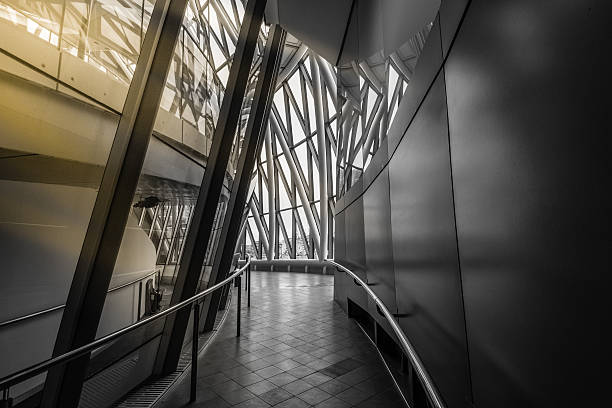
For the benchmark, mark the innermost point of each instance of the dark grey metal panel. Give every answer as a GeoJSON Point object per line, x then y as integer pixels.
{"type": "Point", "coordinates": [354, 192]}
{"type": "Point", "coordinates": [339, 207]}
{"type": "Point", "coordinates": [340, 238]}
{"type": "Point", "coordinates": [378, 244]}
{"type": "Point", "coordinates": [340, 257]}
{"type": "Point", "coordinates": [531, 147]}
{"type": "Point", "coordinates": [428, 283]}
{"type": "Point", "coordinates": [355, 243]}
{"type": "Point", "coordinates": [271, 13]}
{"type": "Point", "coordinates": [370, 27]}
{"type": "Point", "coordinates": [319, 23]}
{"type": "Point", "coordinates": [377, 164]}
{"type": "Point", "coordinates": [450, 15]}
{"type": "Point", "coordinates": [426, 69]}
{"type": "Point", "coordinates": [349, 50]}
{"type": "Point", "coordinates": [340, 285]}
{"type": "Point", "coordinates": [355, 250]}
{"type": "Point", "coordinates": [403, 18]}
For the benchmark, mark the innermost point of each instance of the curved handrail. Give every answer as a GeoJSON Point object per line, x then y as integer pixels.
{"type": "Point", "coordinates": [417, 364]}
{"type": "Point", "coordinates": [58, 307]}
{"type": "Point", "coordinates": [43, 366]}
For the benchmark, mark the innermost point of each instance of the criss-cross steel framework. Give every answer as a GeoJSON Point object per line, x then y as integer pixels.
{"type": "Point", "coordinates": [285, 210]}
{"type": "Point", "coordinates": [325, 125]}
{"type": "Point", "coordinates": [299, 174]}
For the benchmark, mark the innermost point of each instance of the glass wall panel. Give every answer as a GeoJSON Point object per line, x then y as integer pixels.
{"type": "Point", "coordinates": [53, 153]}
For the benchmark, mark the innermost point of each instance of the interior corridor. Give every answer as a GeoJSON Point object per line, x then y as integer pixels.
{"type": "Point", "coordinates": [297, 349]}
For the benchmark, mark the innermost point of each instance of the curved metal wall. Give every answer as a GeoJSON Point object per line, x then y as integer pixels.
{"type": "Point", "coordinates": [499, 203]}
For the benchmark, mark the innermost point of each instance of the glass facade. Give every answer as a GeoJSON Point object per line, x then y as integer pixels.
{"type": "Point", "coordinates": [65, 71]}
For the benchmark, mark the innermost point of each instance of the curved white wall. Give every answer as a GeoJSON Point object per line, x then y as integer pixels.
{"type": "Point", "coordinates": [42, 227]}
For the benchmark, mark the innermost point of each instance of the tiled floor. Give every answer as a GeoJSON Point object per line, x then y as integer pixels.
{"type": "Point", "coordinates": [297, 349]}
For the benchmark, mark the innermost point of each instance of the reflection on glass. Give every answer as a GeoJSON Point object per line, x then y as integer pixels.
{"type": "Point", "coordinates": [370, 93]}
{"type": "Point", "coordinates": [106, 34]}
{"type": "Point", "coordinates": [54, 151]}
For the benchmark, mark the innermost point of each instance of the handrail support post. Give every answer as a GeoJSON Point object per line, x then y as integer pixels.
{"type": "Point", "coordinates": [194, 352]}
{"type": "Point", "coordinates": [249, 285]}
{"type": "Point", "coordinates": [6, 401]}
{"type": "Point", "coordinates": [238, 306]}
{"type": "Point", "coordinates": [139, 300]}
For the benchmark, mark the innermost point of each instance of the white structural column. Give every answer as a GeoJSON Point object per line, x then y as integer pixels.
{"type": "Point", "coordinates": [296, 176]}
{"type": "Point", "coordinates": [271, 195]}
{"type": "Point", "coordinates": [328, 76]}
{"type": "Point", "coordinates": [291, 66]}
{"type": "Point", "coordinates": [323, 203]}
{"type": "Point", "coordinates": [373, 130]}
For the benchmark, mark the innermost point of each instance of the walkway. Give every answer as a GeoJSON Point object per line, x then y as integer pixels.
{"type": "Point", "coordinates": [297, 349]}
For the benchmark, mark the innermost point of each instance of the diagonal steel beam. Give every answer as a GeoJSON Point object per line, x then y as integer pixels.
{"type": "Point", "coordinates": [262, 232]}
{"type": "Point", "coordinates": [113, 204]}
{"type": "Point", "coordinates": [320, 121]}
{"type": "Point", "coordinates": [292, 65]}
{"type": "Point", "coordinates": [328, 76]}
{"type": "Point", "coordinates": [175, 229]}
{"type": "Point", "coordinates": [252, 238]}
{"type": "Point", "coordinates": [271, 195]}
{"type": "Point", "coordinates": [200, 232]}
{"type": "Point", "coordinates": [296, 176]}
{"type": "Point", "coordinates": [252, 143]}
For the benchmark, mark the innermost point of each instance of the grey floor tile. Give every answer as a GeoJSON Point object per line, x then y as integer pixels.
{"type": "Point", "coordinates": [386, 399]}
{"type": "Point", "coordinates": [269, 371]}
{"type": "Point", "coordinates": [301, 371]}
{"type": "Point", "coordinates": [292, 403]}
{"type": "Point", "coordinates": [334, 402]}
{"type": "Point", "coordinates": [253, 403]}
{"type": "Point", "coordinates": [261, 387]}
{"type": "Point", "coordinates": [237, 396]}
{"type": "Point", "coordinates": [308, 348]}
{"type": "Point", "coordinates": [314, 396]}
{"type": "Point", "coordinates": [287, 364]}
{"type": "Point", "coordinates": [297, 387]}
{"type": "Point", "coordinates": [275, 396]}
{"type": "Point", "coordinates": [282, 379]}
{"type": "Point", "coordinates": [217, 402]}
{"type": "Point", "coordinates": [248, 379]}
{"type": "Point", "coordinates": [225, 386]}
{"type": "Point", "coordinates": [334, 387]}
{"type": "Point", "coordinates": [257, 364]}
{"type": "Point", "coordinates": [353, 395]}
{"type": "Point", "coordinates": [317, 378]}
{"type": "Point", "coordinates": [213, 379]}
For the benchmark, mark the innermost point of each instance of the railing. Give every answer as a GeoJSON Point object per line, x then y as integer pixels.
{"type": "Point", "coordinates": [29, 372]}
{"type": "Point", "coordinates": [430, 388]}
{"type": "Point", "coordinates": [58, 307]}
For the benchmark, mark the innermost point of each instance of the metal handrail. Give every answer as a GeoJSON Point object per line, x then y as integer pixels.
{"type": "Point", "coordinates": [417, 364]}
{"type": "Point", "coordinates": [43, 366]}
{"type": "Point", "coordinates": [58, 307]}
